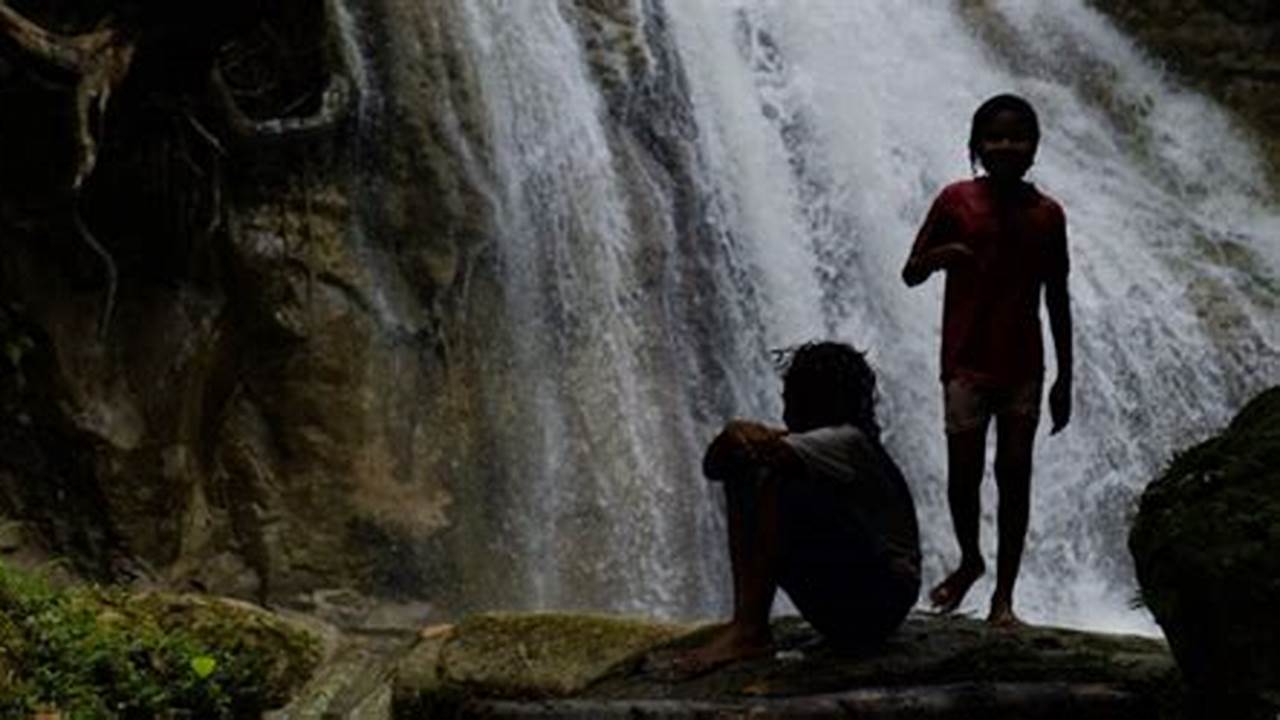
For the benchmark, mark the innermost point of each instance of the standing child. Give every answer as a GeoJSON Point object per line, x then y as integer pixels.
{"type": "Point", "coordinates": [1000, 240]}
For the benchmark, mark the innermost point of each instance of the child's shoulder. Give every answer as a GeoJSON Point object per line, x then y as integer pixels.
{"type": "Point", "coordinates": [974, 192]}
{"type": "Point", "coordinates": [966, 186]}
{"type": "Point", "coordinates": [1046, 201]}
{"type": "Point", "coordinates": [957, 192]}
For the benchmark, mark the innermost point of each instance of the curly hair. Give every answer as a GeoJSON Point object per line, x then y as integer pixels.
{"type": "Point", "coordinates": [829, 383]}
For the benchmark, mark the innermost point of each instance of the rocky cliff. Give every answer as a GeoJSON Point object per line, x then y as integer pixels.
{"type": "Point", "coordinates": [248, 298]}
{"type": "Point", "coordinates": [196, 386]}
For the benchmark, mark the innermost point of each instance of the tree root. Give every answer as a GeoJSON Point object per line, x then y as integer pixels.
{"type": "Point", "coordinates": [94, 64]}
{"type": "Point", "coordinates": [336, 100]}
{"type": "Point", "coordinates": [108, 264]}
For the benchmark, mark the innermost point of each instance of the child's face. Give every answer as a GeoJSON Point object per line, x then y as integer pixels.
{"type": "Point", "coordinates": [1006, 146]}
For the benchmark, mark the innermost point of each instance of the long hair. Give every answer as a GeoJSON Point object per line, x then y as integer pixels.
{"type": "Point", "coordinates": [829, 383]}
{"type": "Point", "coordinates": [987, 111]}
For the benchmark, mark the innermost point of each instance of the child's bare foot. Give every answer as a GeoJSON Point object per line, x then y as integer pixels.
{"type": "Point", "coordinates": [728, 643]}
{"type": "Point", "coordinates": [1002, 617]}
{"type": "Point", "coordinates": [947, 595]}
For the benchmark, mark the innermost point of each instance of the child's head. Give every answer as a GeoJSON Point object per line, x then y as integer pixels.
{"type": "Point", "coordinates": [828, 383]}
{"type": "Point", "coordinates": [1004, 137]}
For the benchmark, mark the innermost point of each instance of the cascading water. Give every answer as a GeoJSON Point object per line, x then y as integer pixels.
{"type": "Point", "coordinates": [595, 423]}
{"type": "Point", "coordinates": [677, 188]}
{"type": "Point", "coordinates": [839, 121]}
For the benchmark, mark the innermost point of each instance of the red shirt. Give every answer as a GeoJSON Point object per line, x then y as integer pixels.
{"type": "Point", "coordinates": [991, 309]}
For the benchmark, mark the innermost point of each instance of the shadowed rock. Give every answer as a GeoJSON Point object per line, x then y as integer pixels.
{"type": "Point", "coordinates": [1204, 548]}
{"type": "Point", "coordinates": [555, 665]}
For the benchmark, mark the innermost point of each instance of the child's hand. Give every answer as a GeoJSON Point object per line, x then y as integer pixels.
{"type": "Point", "coordinates": [750, 433]}
{"type": "Point", "coordinates": [953, 255]}
{"type": "Point", "coordinates": [740, 446]}
{"type": "Point", "coordinates": [943, 257]}
{"type": "Point", "coordinates": [1060, 404]}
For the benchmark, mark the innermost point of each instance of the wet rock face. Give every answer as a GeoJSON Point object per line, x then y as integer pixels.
{"type": "Point", "coordinates": [1226, 48]}
{"type": "Point", "coordinates": [201, 386]}
{"type": "Point", "coordinates": [1204, 547]}
{"type": "Point", "coordinates": [296, 385]}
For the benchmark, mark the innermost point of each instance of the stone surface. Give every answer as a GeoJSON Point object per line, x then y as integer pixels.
{"type": "Point", "coordinates": [522, 656]}
{"type": "Point", "coordinates": [249, 419]}
{"type": "Point", "coordinates": [1204, 545]}
{"type": "Point", "coordinates": [353, 682]}
{"type": "Point", "coordinates": [934, 667]}
{"type": "Point", "coordinates": [13, 537]}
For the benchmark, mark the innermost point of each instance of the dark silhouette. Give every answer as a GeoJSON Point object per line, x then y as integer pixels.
{"type": "Point", "coordinates": [818, 509]}
{"type": "Point", "coordinates": [1000, 241]}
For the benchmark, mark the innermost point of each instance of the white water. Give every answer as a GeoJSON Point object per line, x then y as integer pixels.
{"type": "Point", "coordinates": [823, 130]}
{"type": "Point", "coordinates": [603, 502]}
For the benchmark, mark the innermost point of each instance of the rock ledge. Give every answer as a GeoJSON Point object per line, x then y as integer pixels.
{"type": "Point", "coordinates": [932, 668]}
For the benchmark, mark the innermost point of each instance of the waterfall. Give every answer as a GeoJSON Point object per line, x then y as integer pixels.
{"type": "Point", "coordinates": [677, 188]}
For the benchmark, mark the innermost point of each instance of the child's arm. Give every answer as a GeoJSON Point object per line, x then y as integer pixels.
{"type": "Point", "coordinates": [944, 257]}
{"type": "Point", "coordinates": [931, 251]}
{"type": "Point", "coordinates": [1058, 302]}
{"type": "Point", "coordinates": [744, 446]}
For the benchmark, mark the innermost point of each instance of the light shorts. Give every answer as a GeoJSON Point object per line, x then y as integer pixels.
{"type": "Point", "coordinates": [969, 406]}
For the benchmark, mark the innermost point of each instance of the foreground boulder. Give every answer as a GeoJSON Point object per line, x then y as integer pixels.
{"type": "Point", "coordinates": [1204, 545]}
{"type": "Point", "coordinates": [567, 666]}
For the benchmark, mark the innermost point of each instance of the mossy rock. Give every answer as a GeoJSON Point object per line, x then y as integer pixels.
{"type": "Point", "coordinates": [284, 652]}
{"type": "Point", "coordinates": [107, 653]}
{"type": "Point", "coordinates": [1204, 546]}
{"type": "Point", "coordinates": [522, 655]}
{"type": "Point", "coordinates": [553, 666]}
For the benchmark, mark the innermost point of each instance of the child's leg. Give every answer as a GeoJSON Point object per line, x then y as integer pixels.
{"type": "Point", "coordinates": [1015, 437]}
{"type": "Point", "coordinates": [754, 549]}
{"type": "Point", "coordinates": [966, 456]}
{"type": "Point", "coordinates": [967, 421]}
{"type": "Point", "coordinates": [754, 552]}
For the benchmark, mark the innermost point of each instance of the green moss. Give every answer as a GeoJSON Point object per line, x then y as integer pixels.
{"type": "Point", "coordinates": [544, 654]}
{"type": "Point", "coordinates": [104, 653]}
{"type": "Point", "coordinates": [520, 655]}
